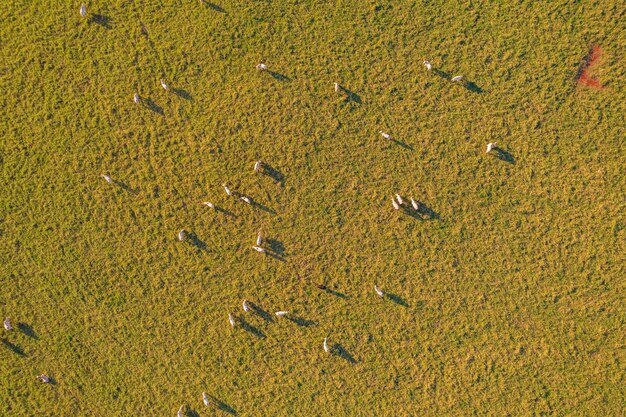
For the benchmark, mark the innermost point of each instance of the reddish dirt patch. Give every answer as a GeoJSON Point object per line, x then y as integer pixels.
{"type": "Point", "coordinates": [585, 76]}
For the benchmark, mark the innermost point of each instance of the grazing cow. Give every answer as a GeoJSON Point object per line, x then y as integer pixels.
{"type": "Point", "coordinates": [7, 324]}
{"type": "Point", "coordinates": [379, 291]}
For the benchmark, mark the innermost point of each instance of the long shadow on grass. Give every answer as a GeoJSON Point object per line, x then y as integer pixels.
{"type": "Point", "coordinates": [275, 256]}
{"type": "Point", "coordinates": [503, 155]}
{"type": "Point", "coordinates": [226, 212]}
{"type": "Point", "coordinates": [403, 144]}
{"type": "Point", "coordinates": [423, 212]}
{"type": "Point", "coordinates": [273, 173]}
{"type": "Point", "coordinates": [104, 21]}
{"type": "Point", "coordinates": [126, 187]}
{"type": "Point", "coordinates": [351, 95]}
{"type": "Point", "coordinates": [442, 74]}
{"type": "Point", "coordinates": [251, 329]}
{"type": "Point", "coordinates": [15, 348]}
{"type": "Point", "coordinates": [300, 321]}
{"type": "Point", "coordinates": [473, 87]}
{"type": "Point", "coordinates": [192, 413]}
{"type": "Point", "coordinates": [262, 313]}
{"type": "Point", "coordinates": [265, 208]}
{"type": "Point", "coordinates": [221, 405]}
{"type": "Point", "coordinates": [398, 300]}
{"type": "Point", "coordinates": [279, 76]}
{"type": "Point", "coordinates": [214, 7]}
{"type": "Point", "coordinates": [337, 294]}
{"type": "Point", "coordinates": [254, 203]}
{"type": "Point", "coordinates": [27, 330]}
{"type": "Point", "coordinates": [276, 246]}
{"type": "Point", "coordinates": [153, 106]}
{"type": "Point", "coordinates": [182, 94]}
{"type": "Point", "coordinates": [196, 241]}
{"type": "Point", "coordinates": [52, 381]}
{"type": "Point", "coordinates": [340, 351]}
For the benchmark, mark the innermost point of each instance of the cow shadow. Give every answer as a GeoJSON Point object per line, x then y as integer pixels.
{"type": "Point", "coordinates": [337, 294]}
{"type": "Point", "coordinates": [273, 173]}
{"type": "Point", "coordinates": [225, 211]}
{"type": "Point", "coordinates": [423, 212]}
{"type": "Point", "coordinates": [472, 87]}
{"type": "Point", "coordinates": [275, 256]}
{"type": "Point", "coordinates": [300, 321]}
{"type": "Point", "coordinates": [102, 20]}
{"type": "Point", "coordinates": [126, 187]}
{"type": "Point", "coordinates": [222, 406]}
{"type": "Point", "coordinates": [398, 300]}
{"type": "Point", "coordinates": [263, 207]}
{"type": "Point", "coordinates": [27, 330]}
{"type": "Point", "coordinates": [279, 76]}
{"type": "Point", "coordinates": [351, 95]}
{"type": "Point", "coordinates": [251, 329]}
{"type": "Point", "coordinates": [254, 203]}
{"type": "Point", "coordinates": [149, 103]}
{"type": "Point", "coordinates": [400, 143]}
{"type": "Point", "coordinates": [441, 73]}
{"type": "Point", "coordinates": [215, 7]}
{"type": "Point", "coordinates": [340, 351]}
{"type": "Point", "coordinates": [196, 241]}
{"type": "Point", "coordinates": [182, 93]}
{"type": "Point", "coordinates": [276, 246]}
{"type": "Point", "coordinates": [262, 313]}
{"type": "Point", "coordinates": [503, 155]}
{"type": "Point", "coordinates": [15, 348]}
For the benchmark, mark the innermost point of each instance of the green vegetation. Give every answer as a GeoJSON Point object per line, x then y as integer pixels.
{"type": "Point", "coordinates": [510, 301]}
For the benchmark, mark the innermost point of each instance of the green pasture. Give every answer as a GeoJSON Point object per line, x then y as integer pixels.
{"type": "Point", "coordinates": [507, 299]}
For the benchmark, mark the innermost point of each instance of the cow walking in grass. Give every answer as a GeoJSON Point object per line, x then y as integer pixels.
{"type": "Point", "coordinates": [378, 291]}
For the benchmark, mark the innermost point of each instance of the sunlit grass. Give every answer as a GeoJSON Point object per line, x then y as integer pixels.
{"type": "Point", "coordinates": [506, 301]}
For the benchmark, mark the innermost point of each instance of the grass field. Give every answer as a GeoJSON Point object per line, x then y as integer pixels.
{"type": "Point", "coordinates": [507, 300]}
